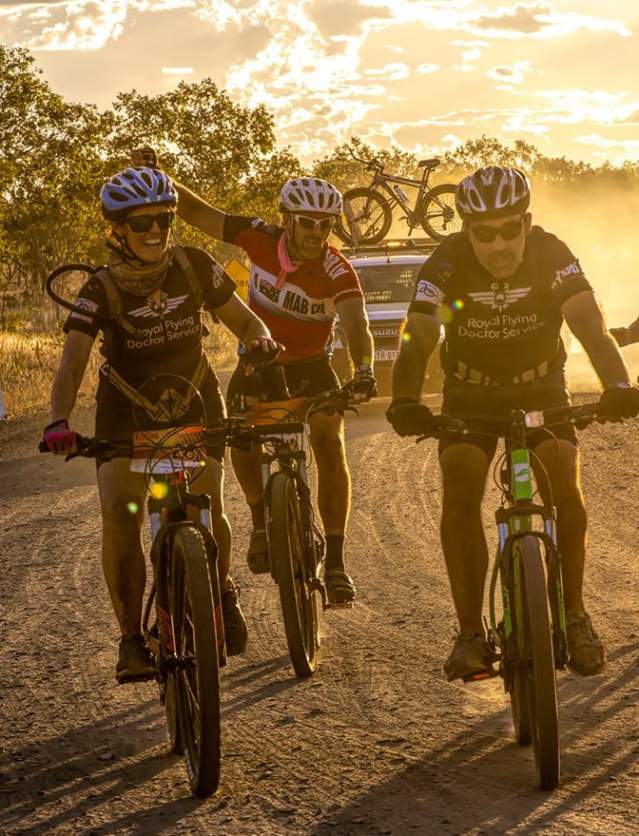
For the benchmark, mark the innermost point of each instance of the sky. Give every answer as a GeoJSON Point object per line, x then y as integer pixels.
{"type": "Point", "coordinates": [423, 74]}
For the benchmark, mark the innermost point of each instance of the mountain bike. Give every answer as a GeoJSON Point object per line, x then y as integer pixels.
{"type": "Point", "coordinates": [294, 541]}
{"type": "Point", "coordinates": [528, 638]}
{"type": "Point", "coordinates": [368, 211]}
{"type": "Point", "coordinates": [185, 638]}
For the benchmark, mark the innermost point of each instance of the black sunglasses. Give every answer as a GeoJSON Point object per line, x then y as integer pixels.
{"type": "Point", "coordinates": [323, 224]}
{"type": "Point", "coordinates": [144, 223]}
{"type": "Point", "coordinates": [487, 234]}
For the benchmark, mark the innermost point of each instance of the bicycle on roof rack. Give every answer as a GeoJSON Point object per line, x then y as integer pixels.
{"type": "Point", "coordinates": [368, 210]}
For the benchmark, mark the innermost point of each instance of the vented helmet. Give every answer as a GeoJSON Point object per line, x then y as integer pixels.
{"type": "Point", "coordinates": [135, 187]}
{"type": "Point", "coordinates": [493, 192]}
{"type": "Point", "coordinates": [308, 194]}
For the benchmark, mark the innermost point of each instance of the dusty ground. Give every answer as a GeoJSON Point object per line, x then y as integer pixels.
{"type": "Point", "coordinates": [375, 743]}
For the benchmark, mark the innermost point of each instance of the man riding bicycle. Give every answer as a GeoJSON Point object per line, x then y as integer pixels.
{"type": "Point", "coordinates": [298, 285]}
{"type": "Point", "coordinates": [153, 349]}
{"type": "Point", "coordinates": [502, 287]}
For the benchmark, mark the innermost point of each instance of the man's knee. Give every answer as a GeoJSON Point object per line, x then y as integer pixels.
{"type": "Point", "coordinates": [464, 469]}
{"type": "Point", "coordinates": [327, 441]}
{"type": "Point", "coordinates": [556, 465]}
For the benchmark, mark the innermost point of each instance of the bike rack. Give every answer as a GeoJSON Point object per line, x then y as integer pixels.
{"type": "Point", "coordinates": [393, 246]}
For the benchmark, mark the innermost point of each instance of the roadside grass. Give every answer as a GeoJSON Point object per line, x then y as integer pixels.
{"type": "Point", "coordinates": [29, 362]}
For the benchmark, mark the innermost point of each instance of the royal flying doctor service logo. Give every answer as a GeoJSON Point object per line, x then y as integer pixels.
{"type": "Point", "coordinates": [158, 308]}
{"type": "Point", "coordinates": [500, 295]}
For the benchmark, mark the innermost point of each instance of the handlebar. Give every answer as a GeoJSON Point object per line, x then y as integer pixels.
{"type": "Point", "coordinates": [371, 165]}
{"type": "Point", "coordinates": [580, 416]}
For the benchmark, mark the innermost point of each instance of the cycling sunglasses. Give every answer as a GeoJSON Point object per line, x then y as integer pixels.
{"type": "Point", "coordinates": [487, 234]}
{"type": "Point", "coordinates": [323, 224]}
{"type": "Point", "coordinates": [144, 223]}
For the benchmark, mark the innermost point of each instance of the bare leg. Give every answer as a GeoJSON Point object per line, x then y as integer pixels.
{"type": "Point", "coordinates": [122, 555]}
{"type": "Point", "coordinates": [464, 471]}
{"type": "Point", "coordinates": [561, 462]}
{"type": "Point", "coordinates": [333, 478]}
{"type": "Point", "coordinates": [211, 482]}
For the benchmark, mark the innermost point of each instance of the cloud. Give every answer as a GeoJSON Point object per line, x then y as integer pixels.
{"type": "Point", "coordinates": [628, 147]}
{"type": "Point", "coordinates": [341, 17]}
{"type": "Point", "coordinates": [510, 73]}
{"type": "Point", "coordinates": [426, 69]}
{"type": "Point", "coordinates": [391, 72]}
{"type": "Point", "coordinates": [525, 19]}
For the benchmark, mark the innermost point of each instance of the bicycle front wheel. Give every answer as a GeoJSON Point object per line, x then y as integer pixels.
{"type": "Point", "coordinates": [439, 216]}
{"type": "Point", "coordinates": [536, 678]}
{"type": "Point", "coordinates": [365, 219]}
{"type": "Point", "coordinates": [287, 551]}
{"type": "Point", "coordinates": [197, 680]}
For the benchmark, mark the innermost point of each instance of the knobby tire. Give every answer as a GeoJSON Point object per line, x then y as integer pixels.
{"type": "Point", "coordinates": [434, 221]}
{"type": "Point", "coordinates": [538, 682]}
{"type": "Point", "coordinates": [197, 685]}
{"type": "Point", "coordinates": [286, 548]}
{"type": "Point", "coordinates": [372, 224]}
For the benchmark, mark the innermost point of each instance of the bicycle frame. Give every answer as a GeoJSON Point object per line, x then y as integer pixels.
{"type": "Point", "coordinates": [164, 515]}
{"type": "Point", "coordinates": [515, 520]}
{"type": "Point", "coordinates": [397, 196]}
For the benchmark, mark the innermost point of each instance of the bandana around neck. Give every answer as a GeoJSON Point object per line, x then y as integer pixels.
{"type": "Point", "coordinates": [286, 264]}
{"type": "Point", "coordinates": [136, 277]}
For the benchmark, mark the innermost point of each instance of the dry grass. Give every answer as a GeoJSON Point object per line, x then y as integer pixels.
{"type": "Point", "coordinates": [28, 364]}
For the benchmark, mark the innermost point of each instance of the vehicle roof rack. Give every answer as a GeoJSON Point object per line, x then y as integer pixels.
{"type": "Point", "coordinates": [392, 246]}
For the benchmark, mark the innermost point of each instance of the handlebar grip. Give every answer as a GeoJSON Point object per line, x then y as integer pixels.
{"type": "Point", "coordinates": [258, 357]}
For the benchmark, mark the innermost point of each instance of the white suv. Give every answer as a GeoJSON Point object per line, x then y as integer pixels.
{"type": "Point", "coordinates": [387, 275]}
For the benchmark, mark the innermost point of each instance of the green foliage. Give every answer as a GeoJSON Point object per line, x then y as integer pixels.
{"type": "Point", "coordinates": [54, 155]}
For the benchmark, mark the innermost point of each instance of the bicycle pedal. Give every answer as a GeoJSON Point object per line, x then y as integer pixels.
{"type": "Point", "coordinates": [479, 676]}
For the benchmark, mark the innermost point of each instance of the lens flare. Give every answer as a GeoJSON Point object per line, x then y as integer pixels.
{"type": "Point", "coordinates": [132, 507]}
{"type": "Point", "coordinates": [406, 337]}
{"type": "Point", "coordinates": [159, 490]}
{"type": "Point", "coordinates": [458, 304]}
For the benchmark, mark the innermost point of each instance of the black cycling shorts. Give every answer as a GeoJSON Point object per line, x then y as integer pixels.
{"type": "Point", "coordinates": [311, 377]}
{"type": "Point", "coordinates": [116, 419]}
{"type": "Point", "coordinates": [467, 399]}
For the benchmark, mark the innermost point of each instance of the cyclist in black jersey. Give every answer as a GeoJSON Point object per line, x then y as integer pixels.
{"type": "Point", "coordinates": [502, 289]}
{"type": "Point", "coordinates": [162, 290]}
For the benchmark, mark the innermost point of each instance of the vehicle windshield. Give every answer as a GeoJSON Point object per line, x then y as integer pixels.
{"type": "Point", "coordinates": [388, 282]}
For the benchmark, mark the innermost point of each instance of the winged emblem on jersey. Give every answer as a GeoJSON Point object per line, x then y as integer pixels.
{"type": "Point", "coordinates": [500, 296]}
{"type": "Point", "coordinates": [158, 308]}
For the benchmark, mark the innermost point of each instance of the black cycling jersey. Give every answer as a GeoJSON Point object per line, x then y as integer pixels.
{"type": "Point", "coordinates": [500, 328]}
{"type": "Point", "coordinates": [169, 338]}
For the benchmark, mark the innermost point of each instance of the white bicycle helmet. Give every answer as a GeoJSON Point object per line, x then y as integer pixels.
{"type": "Point", "coordinates": [493, 192]}
{"type": "Point", "coordinates": [308, 194]}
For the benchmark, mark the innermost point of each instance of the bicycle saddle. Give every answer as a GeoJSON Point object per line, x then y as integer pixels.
{"type": "Point", "coordinates": [429, 163]}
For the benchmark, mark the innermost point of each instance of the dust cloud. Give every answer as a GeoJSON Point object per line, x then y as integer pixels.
{"type": "Point", "coordinates": [598, 222]}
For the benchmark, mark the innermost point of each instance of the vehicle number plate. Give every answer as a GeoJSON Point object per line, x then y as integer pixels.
{"type": "Point", "coordinates": [385, 355]}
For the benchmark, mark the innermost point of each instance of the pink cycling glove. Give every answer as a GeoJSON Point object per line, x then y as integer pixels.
{"type": "Point", "coordinates": [60, 439]}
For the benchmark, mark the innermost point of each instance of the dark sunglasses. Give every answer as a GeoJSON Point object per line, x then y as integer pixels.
{"type": "Point", "coordinates": [144, 223]}
{"type": "Point", "coordinates": [487, 234]}
{"type": "Point", "coordinates": [323, 224]}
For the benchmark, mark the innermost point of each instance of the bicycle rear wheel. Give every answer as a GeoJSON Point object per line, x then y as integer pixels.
{"type": "Point", "coordinates": [365, 219]}
{"type": "Point", "coordinates": [197, 680]}
{"type": "Point", "coordinates": [536, 679]}
{"type": "Point", "coordinates": [439, 216]}
{"type": "Point", "coordinates": [286, 543]}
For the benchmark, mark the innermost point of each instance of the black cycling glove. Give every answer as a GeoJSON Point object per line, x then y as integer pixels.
{"type": "Point", "coordinates": [362, 386]}
{"type": "Point", "coordinates": [408, 417]}
{"type": "Point", "coordinates": [619, 403]}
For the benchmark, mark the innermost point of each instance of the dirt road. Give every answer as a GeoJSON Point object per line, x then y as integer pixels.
{"type": "Point", "coordinates": [375, 743]}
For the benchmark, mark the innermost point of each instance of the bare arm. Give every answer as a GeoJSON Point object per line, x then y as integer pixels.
{"type": "Point", "coordinates": [241, 321]}
{"type": "Point", "coordinates": [73, 363]}
{"type": "Point", "coordinates": [200, 214]}
{"type": "Point", "coordinates": [419, 340]}
{"type": "Point", "coordinates": [587, 323]}
{"type": "Point", "coordinates": [353, 319]}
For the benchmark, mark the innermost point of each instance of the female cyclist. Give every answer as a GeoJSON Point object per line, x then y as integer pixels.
{"type": "Point", "coordinates": [161, 290]}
